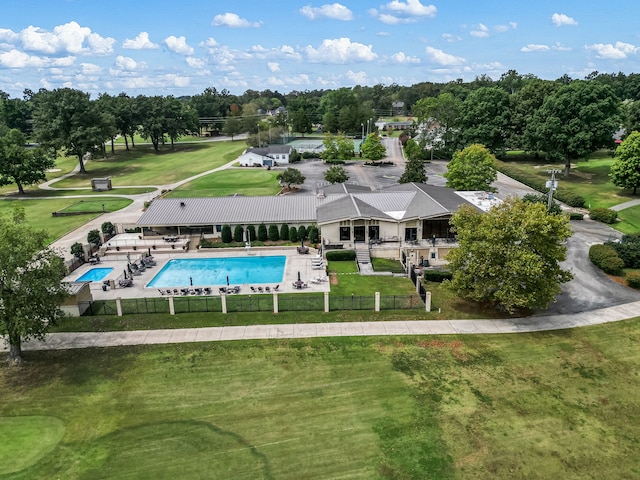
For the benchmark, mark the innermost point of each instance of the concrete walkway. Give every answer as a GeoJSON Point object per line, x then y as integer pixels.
{"type": "Point", "coordinates": [63, 341]}
{"type": "Point", "coordinates": [622, 206]}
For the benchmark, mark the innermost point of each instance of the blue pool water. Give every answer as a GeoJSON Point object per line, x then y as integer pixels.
{"type": "Point", "coordinates": [206, 272]}
{"type": "Point", "coordinates": [95, 274]}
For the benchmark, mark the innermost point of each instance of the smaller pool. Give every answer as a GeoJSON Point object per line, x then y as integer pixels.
{"type": "Point", "coordinates": [95, 274]}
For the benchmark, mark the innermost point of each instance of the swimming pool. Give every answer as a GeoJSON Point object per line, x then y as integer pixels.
{"type": "Point", "coordinates": [95, 274]}
{"type": "Point", "coordinates": [203, 272]}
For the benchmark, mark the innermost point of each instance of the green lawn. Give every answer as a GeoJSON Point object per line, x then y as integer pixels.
{"type": "Point", "coordinates": [38, 212]}
{"type": "Point", "coordinates": [588, 178]}
{"type": "Point", "coordinates": [247, 181]}
{"type": "Point", "coordinates": [630, 220]}
{"type": "Point", "coordinates": [143, 166]}
{"type": "Point", "coordinates": [547, 405]}
{"type": "Point", "coordinates": [351, 283]}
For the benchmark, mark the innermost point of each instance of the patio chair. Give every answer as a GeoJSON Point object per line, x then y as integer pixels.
{"type": "Point", "coordinates": [260, 289]}
{"type": "Point", "coordinates": [222, 290]}
{"type": "Point", "coordinates": [207, 290]}
{"type": "Point", "coordinates": [175, 291]}
{"type": "Point", "coordinates": [199, 291]}
{"type": "Point", "coordinates": [253, 289]}
{"type": "Point", "coordinates": [267, 289]}
{"type": "Point", "coordinates": [161, 292]}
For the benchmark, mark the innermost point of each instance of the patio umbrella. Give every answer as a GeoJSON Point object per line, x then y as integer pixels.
{"type": "Point", "coordinates": [125, 273]}
{"type": "Point", "coordinates": [149, 251]}
{"type": "Point", "coordinates": [227, 280]}
{"type": "Point", "coordinates": [303, 243]}
{"type": "Point", "coordinates": [128, 258]}
{"type": "Point", "coordinates": [299, 276]}
{"type": "Point", "coordinates": [191, 281]}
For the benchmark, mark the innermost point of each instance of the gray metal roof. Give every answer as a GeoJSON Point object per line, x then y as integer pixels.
{"type": "Point", "coordinates": [400, 202]}
{"type": "Point", "coordinates": [271, 149]}
{"type": "Point", "coordinates": [230, 210]}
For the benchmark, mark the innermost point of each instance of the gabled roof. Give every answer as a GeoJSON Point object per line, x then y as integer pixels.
{"type": "Point", "coordinates": [270, 150]}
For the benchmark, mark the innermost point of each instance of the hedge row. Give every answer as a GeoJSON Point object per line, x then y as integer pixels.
{"type": "Point", "coordinates": [341, 255]}
{"type": "Point", "coordinates": [628, 250]}
{"type": "Point", "coordinates": [604, 215]}
{"type": "Point", "coordinates": [606, 259]}
{"type": "Point", "coordinates": [633, 280]}
{"type": "Point", "coordinates": [535, 182]}
{"type": "Point", "coordinates": [437, 275]}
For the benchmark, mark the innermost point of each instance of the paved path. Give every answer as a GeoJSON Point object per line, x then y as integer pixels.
{"type": "Point", "coordinates": [63, 341]}
{"type": "Point", "coordinates": [622, 206]}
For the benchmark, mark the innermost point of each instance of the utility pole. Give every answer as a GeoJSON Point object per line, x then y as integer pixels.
{"type": "Point", "coordinates": [552, 185]}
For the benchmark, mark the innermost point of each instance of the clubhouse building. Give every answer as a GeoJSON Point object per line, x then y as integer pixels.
{"type": "Point", "coordinates": [408, 222]}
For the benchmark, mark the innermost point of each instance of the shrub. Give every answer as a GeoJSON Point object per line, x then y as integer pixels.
{"type": "Point", "coordinates": [274, 235]}
{"type": "Point", "coordinates": [226, 234]}
{"type": "Point", "coordinates": [341, 255]}
{"type": "Point", "coordinates": [262, 232]}
{"type": "Point", "coordinates": [628, 250]}
{"type": "Point", "coordinates": [251, 233]}
{"type": "Point", "coordinates": [604, 215]}
{"type": "Point", "coordinates": [606, 259]}
{"type": "Point", "coordinates": [313, 234]}
{"type": "Point", "coordinates": [284, 232]}
{"type": "Point", "coordinates": [576, 216]}
{"type": "Point", "coordinates": [633, 279]}
{"type": "Point", "coordinates": [543, 199]}
{"type": "Point", "coordinates": [238, 233]}
{"type": "Point", "coordinates": [437, 275]}
{"type": "Point", "coordinates": [302, 233]}
{"type": "Point", "coordinates": [572, 199]}
{"type": "Point", "coordinates": [293, 234]}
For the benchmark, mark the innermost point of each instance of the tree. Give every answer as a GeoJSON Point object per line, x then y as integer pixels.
{"type": "Point", "coordinates": [293, 236]}
{"type": "Point", "coordinates": [471, 169]}
{"type": "Point", "coordinates": [439, 118]}
{"type": "Point", "coordinates": [107, 228]}
{"type": "Point", "coordinates": [19, 164]}
{"type": "Point", "coordinates": [262, 232]}
{"type": "Point", "coordinates": [625, 171]}
{"type": "Point", "coordinates": [345, 147]}
{"type": "Point", "coordinates": [67, 119]}
{"type": "Point", "coordinates": [251, 233]}
{"type": "Point", "coordinates": [372, 148]}
{"type": "Point", "coordinates": [414, 172]}
{"type": "Point", "coordinates": [284, 231]}
{"type": "Point", "coordinates": [485, 119]}
{"type": "Point", "coordinates": [93, 237]}
{"type": "Point", "coordinates": [225, 234]}
{"type": "Point", "coordinates": [232, 127]}
{"type": "Point", "coordinates": [291, 176]}
{"type": "Point", "coordinates": [313, 234]}
{"type": "Point", "coordinates": [543, 198]}
{"type": "Point", "coordinates": [77, 250]}
{"type": "Point", "coordinates": [31, 290]}
{"type": "Point", "coordinates": [302, 232]}
{"type": "Point", "coordinates": [413, 151]}
{"type": "Point", "coordinates": [574, 121]}
{"type": "Point", "coordinates": [330, 144]}
{"type": "Point", "coordinates": [300, 122]}
{"type": "Point", "coordinates": [238, 233]}
{"type": "Point", "coordinates": [274, 234]}
{"type": "Point", "coordinates": [336, 174]}
{"type": "Point", "coordinates": [509, 256]}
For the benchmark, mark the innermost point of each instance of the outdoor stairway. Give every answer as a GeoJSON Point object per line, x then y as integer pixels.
{"type": "Point", "coordinates": [363, 258]}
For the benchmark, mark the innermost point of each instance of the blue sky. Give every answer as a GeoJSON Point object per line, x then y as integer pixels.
{"type": "Point", "coordinates": [182, 47]}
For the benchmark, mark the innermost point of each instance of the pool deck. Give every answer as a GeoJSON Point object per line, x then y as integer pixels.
{"type": "Point", "coordinates": [295, 263]}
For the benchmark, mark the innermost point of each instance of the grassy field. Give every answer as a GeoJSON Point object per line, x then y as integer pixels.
{"type": "Point", "coordinates": [38, 212]}
{"type": "Point", "coordinates": [247, 181]}
{"type": "Point", "coordinates": [547, 405]}
{"type": "Point", "coordinates": [350, 282]}
{"type": "Point", "coordinates": [630, 220]}
{"type": "Point", "coordinates": [143, 166]}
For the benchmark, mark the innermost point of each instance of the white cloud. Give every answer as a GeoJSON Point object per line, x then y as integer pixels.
{"type": "Point", "coordinates": [340, 50]}
{"type": "Point", "coordinates": [17, 59]}
{"type": "Point", "coordinates": [273, 66]}
{"type": "Point", "coordinates": [400, 57]}
{"type": "Point", "coordinates": [283, 51]}
{"type": "Point", "coordinates": [505, 28]}
{"type": "Point", "coordinates": [123, 63]}
{"type": "Point", "coordinates": [451, 38]}
{"type": "Point", "coordinates": [68, 38]}
{"type": "Point", "coordinates": [9, 36]}
{"type": "Point", "coordinates": [383, 34]}
{"type": "Point", "coordinates": [535, 47]}
{"type": "Point", "coordinates": [619, 51]}
{"type": "Point", "coordinates": [560, 20]}
{"type": "Point", "coordinates": [195, 62]}
{"type": "Point", "coordinates": [178, 45]}
{"type": "Point", "coordinates": [481, 31]}
{"type": "Point", "coordinates": [141, 42]}
{"type": "Point", "coordinates": [90, 69]}
{"type": "Point", "coordinates": [396, 12]}
{"type": "Point", "coordinates": [335, 11]}
{"type": "Point", "coordinates": [232, 20]}
{"type": "Point", "coordinates": [358, 78]}
{"type": "Point", "coordinates": [442, 58]}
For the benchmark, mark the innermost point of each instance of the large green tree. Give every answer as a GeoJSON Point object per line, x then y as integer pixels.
{"type": "Point", "coordinates": [291, 176]}
{"type": "Point", "coordinates": [31, 291]}
{"type": "Point", "coordinates": [19, 164]}
{"type": "Point", "coordinates": [336, 174]}
{"type": "Point", "coordinates": [372, 147]}
{"type": "Point", "coordinates": [437, 119]}
{"type": "Point", "coordinates": [574, 121]}
{"type": "Point", "coordinates": [485, 118]}
{"type": "Point", "coordinates": [414, 171]}
{"type": "Point", "coordinates": [471, 169]}
{"type": "Point", "coordinates": [67, 119]}
{"type": "Point", "coordinates": [509, 256]}
{"type": "Point", "coordinates": [625, 171]}
{"type": "Point", "coordinates": [232, 127]}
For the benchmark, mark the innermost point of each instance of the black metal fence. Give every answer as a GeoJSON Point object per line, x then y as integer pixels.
{"type": "Point", "coordinates": [250, 303]}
